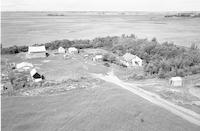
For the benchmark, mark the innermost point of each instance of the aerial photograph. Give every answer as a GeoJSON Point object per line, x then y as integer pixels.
{"type": "Point", "coordinates": [100, 65]}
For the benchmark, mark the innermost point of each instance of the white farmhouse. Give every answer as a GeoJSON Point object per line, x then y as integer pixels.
{"type": "Point", "coordinates": [132, 60]}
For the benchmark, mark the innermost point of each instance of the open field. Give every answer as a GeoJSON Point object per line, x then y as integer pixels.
{"type": "Point", "coordinates": [107, 108]}
{"type": "Point", "coordinates": [27, 28]}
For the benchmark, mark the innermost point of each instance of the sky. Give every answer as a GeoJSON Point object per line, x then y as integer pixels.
{"type": "Point", "coordinates": [100, 5]}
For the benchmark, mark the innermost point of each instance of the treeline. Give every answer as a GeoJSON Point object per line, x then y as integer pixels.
{"type": "Point", "coordinates": [14, 49]}
{"type": "Point", "coordinates": [162, 60]}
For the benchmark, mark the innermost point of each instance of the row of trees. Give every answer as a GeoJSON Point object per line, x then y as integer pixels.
{"type": "Point", "coordinates": [162, 60]}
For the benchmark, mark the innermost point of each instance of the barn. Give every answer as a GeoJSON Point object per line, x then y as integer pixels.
{"type": "Point", "coordinates": [36, 52]}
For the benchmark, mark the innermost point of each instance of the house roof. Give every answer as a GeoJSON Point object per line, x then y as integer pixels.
{"type": "Point", "coordinates": [33, 71]}
{"type": "Point", "coordinates": [35, 49]}
{"type": "Point", "coordinates": [61, 48]}
{"type": "Point", "coordinates": [72, 49]}
{"type": "Point", "coordinates": [98, 56]}
{"type": "Point", "coordinates": [176, 78]}
{"type": "Point", "coordinates": [130, 57]}
{"type": "Point", "coordinates": [24, 64]}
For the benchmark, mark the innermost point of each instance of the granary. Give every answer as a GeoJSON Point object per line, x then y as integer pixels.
{"type": "Point", "coordinates": [36, 76]}
{"type": "Point", "coordinates": [72, 50]}
{"type": "Point", "coordinates": [24, 66]}
{"type": "Point", "coordinates": [132, 60]}
{"type": "Point", "coordinates": [176, 81]}
{"type": "Point", "coordinates": [61, 50]}
{"type": "Point", "coordinates": [98, 58]}
{"type": "Point", "coordinates": [37, 52]}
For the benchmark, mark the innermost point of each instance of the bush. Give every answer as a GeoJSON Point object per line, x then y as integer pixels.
{"type": "Point", "coordinates": [106, 64]}
{"type": "Point", "coordinates": [136, 76]}
{"type": "Point", "coordinates": [18, 80]}
{"type": "Point", "coordinates": [14, 49]}
{"type": "Point", "coordinates": [109, 58]}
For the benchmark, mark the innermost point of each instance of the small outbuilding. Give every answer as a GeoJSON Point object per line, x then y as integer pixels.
{"type": "Point", "coordinates": [176, 81]}
{"type": "Point", "coordinates": [98, 58]}
{"type": "Point", "coordinates": [61, 50]}
{"type": "Point", "coordinates": [73, 50]}
{"type": "Point", "coordinates": [37, 52]}
{"type": "Point", "coordinates": [132, 60]}
{"type": "Point", "coordinates": [36, 76]}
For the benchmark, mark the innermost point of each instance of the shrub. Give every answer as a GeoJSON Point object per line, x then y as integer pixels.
{"type": "Point", "coordinates": [136, 76]}
{"type": "Point", "coordinates": [109, 58]}
{"type": "Point", "coordinates": [18, 80]}
{"type": "Point", "coordinates": [106, 64]}
{"type": "Point", "coordinates": [161, 73]}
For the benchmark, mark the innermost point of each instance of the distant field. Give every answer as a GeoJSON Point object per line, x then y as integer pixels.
{"type": "Point", "coordinates": [28, 28]}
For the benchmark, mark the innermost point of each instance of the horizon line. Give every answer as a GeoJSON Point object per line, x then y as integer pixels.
{"type": "Point", "coordinates": [94, 11]}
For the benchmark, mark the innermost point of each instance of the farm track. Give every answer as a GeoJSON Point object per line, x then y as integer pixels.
{"type": "Point", "coordinates": [182, 112]}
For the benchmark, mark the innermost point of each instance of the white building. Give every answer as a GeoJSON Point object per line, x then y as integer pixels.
{"type": "Point", "coordinates": [132, 60]}
{"type": "Point", "coordinates": [176, 81]}
{"type": "Point", "coordinates": [61, 50]}
{"type": "Point", "coordinates": [36, 52]}
{"type": "Point", "coordinates": [72, 50]}
{"type": "Point", "coordinates": [35, 75]}
{"type": "Point", "coordinates": [98, 58]}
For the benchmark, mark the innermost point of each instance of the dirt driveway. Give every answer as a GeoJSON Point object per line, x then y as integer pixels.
{"type": "Point", "coordinates": [184, 113]}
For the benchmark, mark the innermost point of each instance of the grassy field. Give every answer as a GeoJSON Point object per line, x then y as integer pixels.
{"type": "Point", "coordinates": [107, 108]}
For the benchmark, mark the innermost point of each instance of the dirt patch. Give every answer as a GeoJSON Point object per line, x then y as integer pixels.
{"type": "Point", "coordinates": [55, 88]}
{"type": "Point", "coordinates": [129, 74]}
{"type": "Point", "coordinates": [46, 61]}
